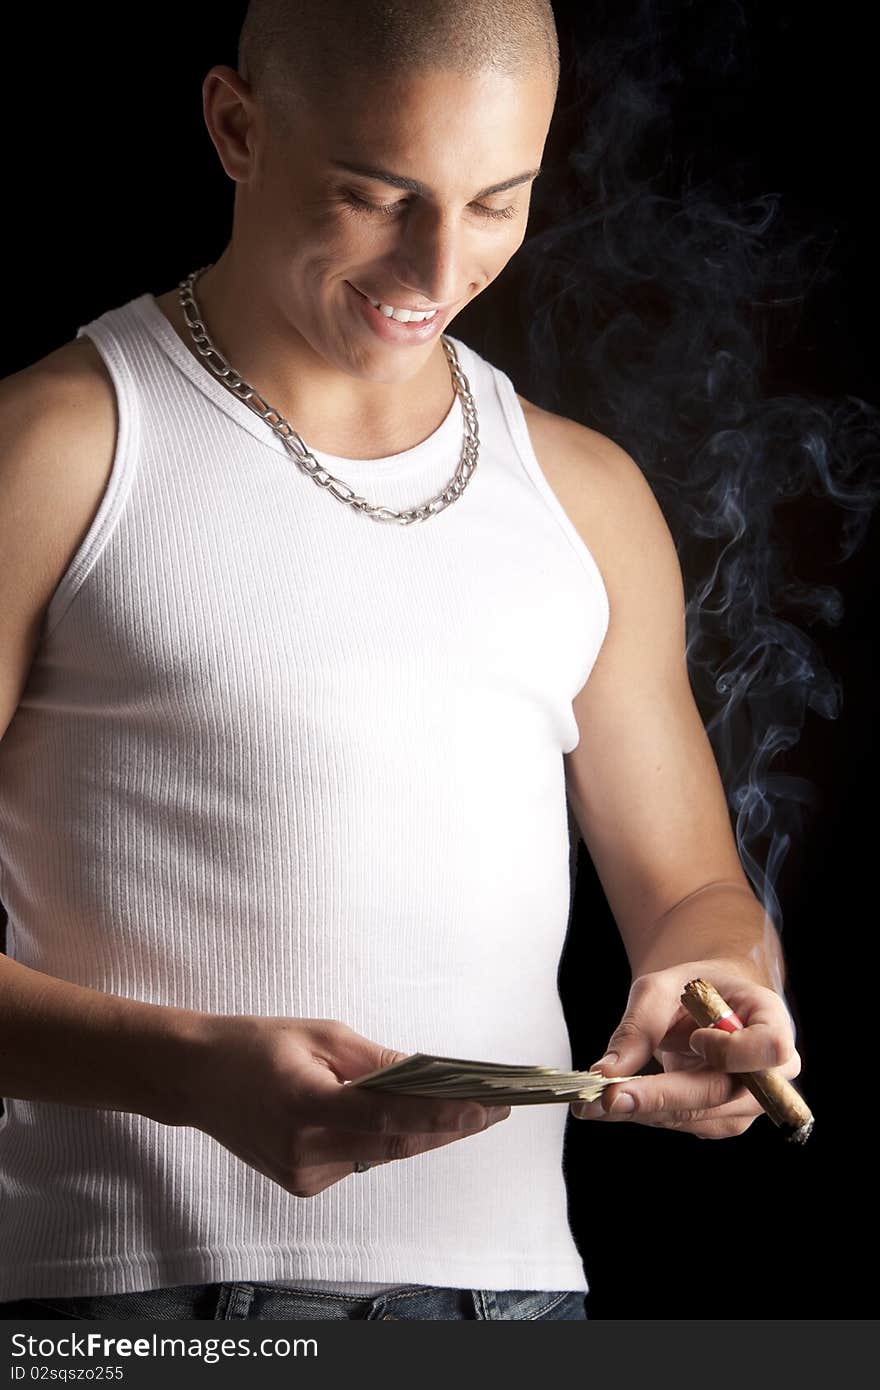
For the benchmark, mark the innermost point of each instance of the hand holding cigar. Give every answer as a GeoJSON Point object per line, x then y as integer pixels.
{"type": "Point", "coordinates": [771, 1090]}
{"type": "Point", "coordinates": [715, 1100]}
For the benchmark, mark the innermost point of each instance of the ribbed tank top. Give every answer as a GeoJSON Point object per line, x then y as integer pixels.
{"type": "Point", "coordinates": [275, 757]}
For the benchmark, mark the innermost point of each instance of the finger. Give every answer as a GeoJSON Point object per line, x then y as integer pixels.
{"type": "Point", "coordinates": [716, 1129]}
{"type": "Point", "coordinates": [326, 1101]}
{"type": "Point", "coordinates": [321, 1146]}
{"type": "Point", "coordinates": [310, 1181]}
{"type": "Point", "coordinates": [737, 1108]}
{"type": "Point", "coordinates": [767, 1037]}
{"type": "Point", "coordinates": [766, 1041]}
{"type": "Point", "coordinates": [674, 1091]}
{"type": "Point", "coordinates": [653, 1008]}
{"type": "Point", "coordinates": [313, 1180]}
{"type": "Point", "coordinates": [702, 1089]}
{"type": "Point", "coordinates": [327, 1097]}
{"type": "Point", "coordinates": [672, 1094]}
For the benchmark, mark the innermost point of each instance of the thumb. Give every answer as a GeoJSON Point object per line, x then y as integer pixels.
{"type": "Point", "coordinates": [346, 1056]}
{"type": "Point", "coordinates": [651, 1004]}
{"type": "Point", "coordinates": [351, 1055]}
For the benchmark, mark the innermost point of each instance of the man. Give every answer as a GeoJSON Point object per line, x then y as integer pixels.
{"type": "Point", "coordinates": [283, 783]}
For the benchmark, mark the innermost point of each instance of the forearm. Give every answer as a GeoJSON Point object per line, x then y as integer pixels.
{"type": "Point", "coordinates": [721, 920]}
{"type": "Point", "coordinates": [65, 1043]}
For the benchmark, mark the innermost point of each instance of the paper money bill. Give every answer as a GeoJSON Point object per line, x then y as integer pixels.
{"type": "Point", "coordinates": [462, 1078]}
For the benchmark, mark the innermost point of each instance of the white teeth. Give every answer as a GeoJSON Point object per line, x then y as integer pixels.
{"type": "Point", "coordinates": [402, 315]}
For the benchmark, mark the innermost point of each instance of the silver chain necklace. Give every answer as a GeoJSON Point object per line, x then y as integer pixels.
{"type": "Point", "coordinates": [307, 461]}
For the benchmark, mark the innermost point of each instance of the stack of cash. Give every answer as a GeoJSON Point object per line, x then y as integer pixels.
{"type": "Point", "coordinates": [494, 1083]}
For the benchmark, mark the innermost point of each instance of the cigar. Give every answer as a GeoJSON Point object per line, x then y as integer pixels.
{"type": "Point", "coordinates": [785, 1106]}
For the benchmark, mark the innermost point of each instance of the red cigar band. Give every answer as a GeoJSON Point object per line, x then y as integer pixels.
{"type": "Point", "coordinates": [728, 1022]}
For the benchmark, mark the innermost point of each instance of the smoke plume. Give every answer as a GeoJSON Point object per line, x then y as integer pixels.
{"type": "Point", "coordinates": [649, 299]}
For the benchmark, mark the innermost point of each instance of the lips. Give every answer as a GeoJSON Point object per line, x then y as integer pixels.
{"type": "Point", "coordinates": [390, 330]}
{"type": "Point", "coordinates": [413, 308]}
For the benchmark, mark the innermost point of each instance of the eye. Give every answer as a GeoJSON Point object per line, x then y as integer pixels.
{"type": "Point", "coordinates": [389, 209]}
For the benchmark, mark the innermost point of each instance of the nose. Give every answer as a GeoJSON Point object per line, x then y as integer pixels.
{"type": "Point", "coordinates": [432, 261]}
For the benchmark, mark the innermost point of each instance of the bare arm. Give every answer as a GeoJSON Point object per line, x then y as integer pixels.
{"type": "Point", "coordinates": [643, 781]}
{"type": "Point", "coordinates": [270, 1089]}
{"type": "Point", "coordinates": [65, 1043]}
{"type": "Point", "coordinates": [59, 1041]}
{"type": "Point", "coordinates": [719, 920]}
{"type": "Point", "coordinates": [648, 797]}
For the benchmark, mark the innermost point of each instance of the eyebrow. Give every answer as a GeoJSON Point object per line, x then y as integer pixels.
{"type": "Point", "coordinates": [413, 185]}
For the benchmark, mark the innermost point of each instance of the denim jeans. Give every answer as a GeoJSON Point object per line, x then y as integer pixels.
{"type": "Point", "coordinates": [252, 1299]}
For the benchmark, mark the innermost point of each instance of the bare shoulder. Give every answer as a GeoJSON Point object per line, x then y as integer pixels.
{"type": "Point", "coordinates": [606, 496]}
{"type": "Point", "coordinates": [575, 459]}
{"type": "Point", "coordinates": [72, 377]}
{"type": "Point", "coordinates": [58, 425]}
{"type": "Point", "coordinates": [564, 447]}
{"type": "Point", "coordinates": [641, 780]}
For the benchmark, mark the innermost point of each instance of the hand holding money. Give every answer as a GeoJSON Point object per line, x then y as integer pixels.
{"type": "Point", "coordinates": [493, 1083]}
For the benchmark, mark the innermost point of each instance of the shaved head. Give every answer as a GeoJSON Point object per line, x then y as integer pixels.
{"type": "Point", "coordinates": [383, 154]}
{"type": "Point", "coordinates": [293, 51]}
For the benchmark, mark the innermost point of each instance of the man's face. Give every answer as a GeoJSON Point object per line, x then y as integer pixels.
{"type": "Point", "coordinates": [325, 240]}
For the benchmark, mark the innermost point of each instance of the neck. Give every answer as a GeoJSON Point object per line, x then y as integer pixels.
{"type": "Point", "coordinates": [335, 411]}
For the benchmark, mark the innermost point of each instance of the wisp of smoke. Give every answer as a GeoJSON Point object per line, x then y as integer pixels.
{"type": "Point", "coordinates": [645, 302]}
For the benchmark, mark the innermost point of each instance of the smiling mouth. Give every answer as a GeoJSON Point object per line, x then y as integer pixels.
{"type": "Point", "coordinates": [433, 310]}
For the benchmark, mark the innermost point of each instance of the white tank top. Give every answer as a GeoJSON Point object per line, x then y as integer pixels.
{"type": "Point", "coordinates": [275, 757]}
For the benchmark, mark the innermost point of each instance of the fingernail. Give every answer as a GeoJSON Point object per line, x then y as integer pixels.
{"type": "Point", "coordinates": [498, 1112]}
{"type": "Point", "coordinates": [587, 1109]}
{"type": "Point", "coordinates": [474, 1117]}
{"type": "Point", "coordinates": [622, 1105]}
{"type": "Point", "coordinates": [608, 1060]}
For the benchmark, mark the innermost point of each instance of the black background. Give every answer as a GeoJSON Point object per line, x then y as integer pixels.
{"type": "Point", "coordinates": [113, 188]}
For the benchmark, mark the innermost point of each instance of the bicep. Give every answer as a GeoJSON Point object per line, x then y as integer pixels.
{"type": "Point", "coordinates": [58, 428]}
{"type": "Point", "coordinates": [643, 782]}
